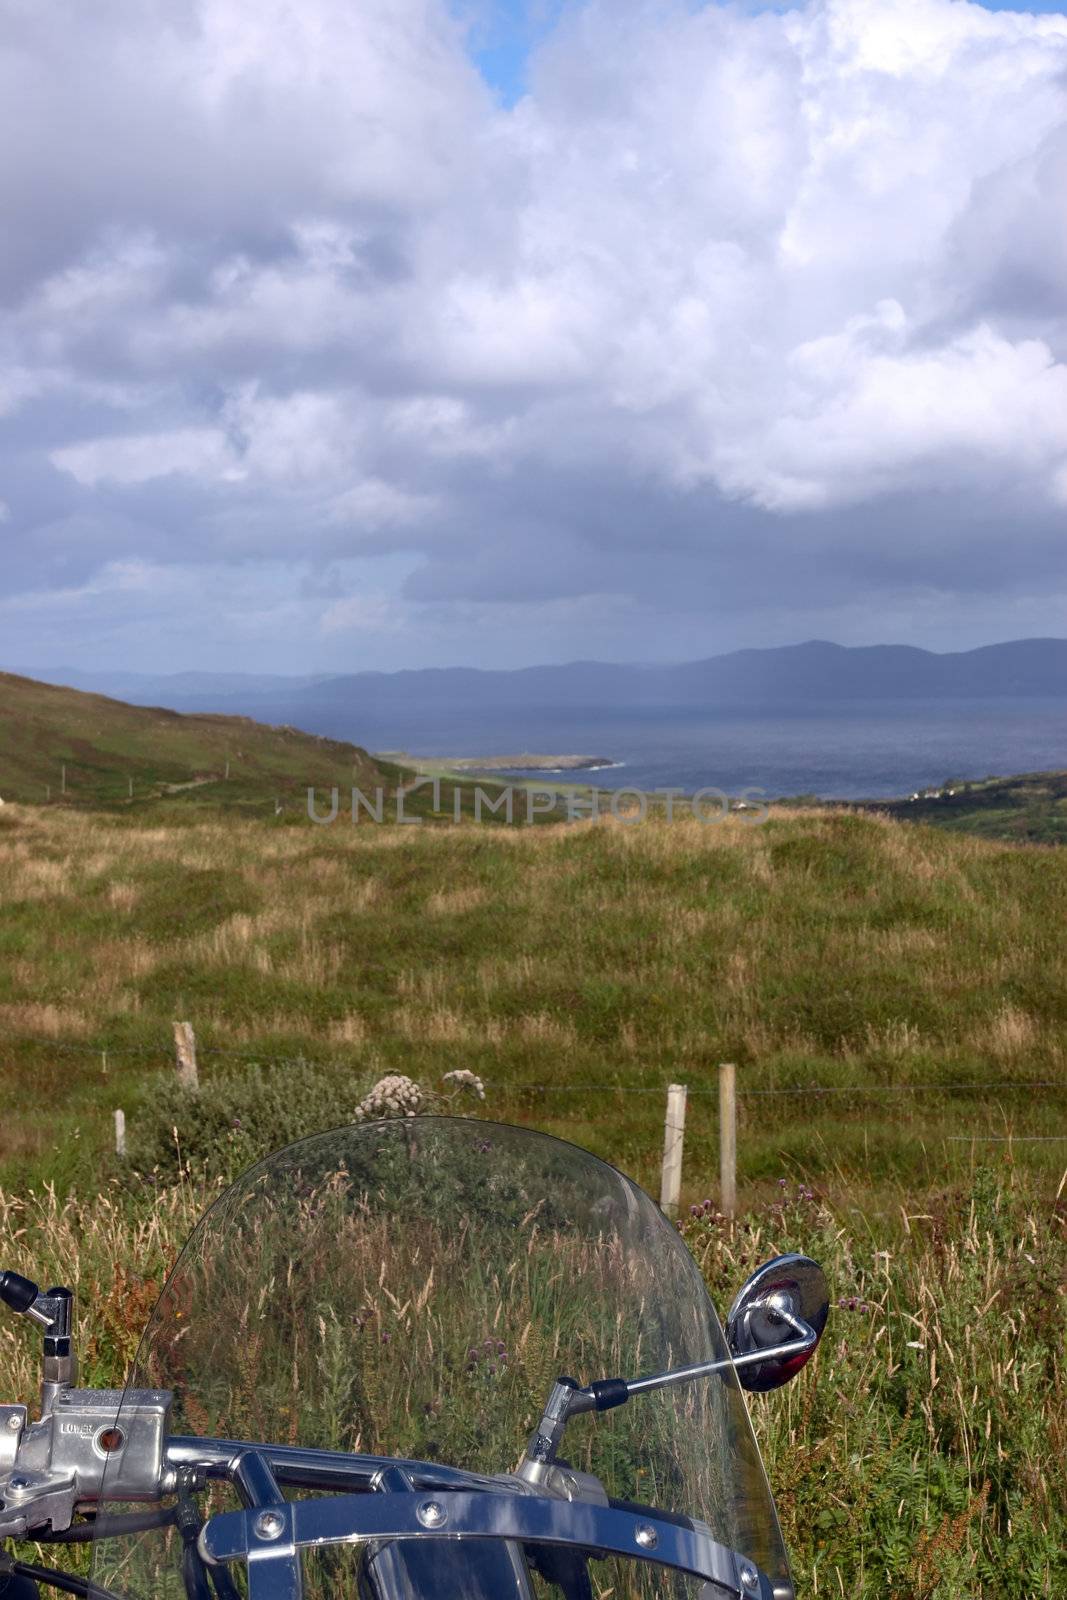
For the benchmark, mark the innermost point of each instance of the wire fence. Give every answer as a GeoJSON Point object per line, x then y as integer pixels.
{"type": "Point", "coordinates": [253, 1057]}
{"type": "Point", "coordinates": [1007, 1138]}
{"type": "Point", "coordinates": [184, 1054]}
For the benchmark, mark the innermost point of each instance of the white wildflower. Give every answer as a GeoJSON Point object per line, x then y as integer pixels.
{"type": "Point", "coordinates": [461, 1078]}
{"type": "Point", "coordinates": [392, 1096]}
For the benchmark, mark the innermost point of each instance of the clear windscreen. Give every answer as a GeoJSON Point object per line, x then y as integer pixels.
{"type": "Point", "coordinates": [412, 1289]}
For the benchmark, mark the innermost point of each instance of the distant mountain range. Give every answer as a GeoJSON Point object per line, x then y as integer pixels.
{"type": "Point", "coordinates": [791, 676]}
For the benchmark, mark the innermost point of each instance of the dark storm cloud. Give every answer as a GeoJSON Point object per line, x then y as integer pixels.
{"type": "Point", "coordinates": [735, 315]}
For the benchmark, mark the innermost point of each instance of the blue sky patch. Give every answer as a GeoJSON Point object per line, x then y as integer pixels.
{"type": "Point", "coordinates": [506, 34]}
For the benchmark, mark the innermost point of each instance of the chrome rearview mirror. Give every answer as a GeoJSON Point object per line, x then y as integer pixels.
{"type": "Point", "coordinates": [782, 1309]}
{"type": "Point", "coordinates": [774, 1327]}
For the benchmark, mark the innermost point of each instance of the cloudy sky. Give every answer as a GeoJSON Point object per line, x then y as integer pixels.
{"type": "Point", "coordinates": [378, 333]}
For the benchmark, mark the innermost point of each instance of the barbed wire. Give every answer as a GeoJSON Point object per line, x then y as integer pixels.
{"type": "Point", "coordinates": [803, 1089]}
{"type": "Point", "coordinates": [1007, 1138]}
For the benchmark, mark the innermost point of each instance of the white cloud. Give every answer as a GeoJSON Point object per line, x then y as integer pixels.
{"type": "Point", "coordinates": [361, 613]}
{"type": "Point", "coordinates": [17, 385]}
{"type": "Point", "coordinates": [113, 578]}
{"type": "Point", "coordinates": [373, 505]}
{"type": "Point", "coordinates": [203, 453]}
{"type": "Point", "coordinates": [868, 409]}
{"type": "Point", "coordinates": [754, 192]}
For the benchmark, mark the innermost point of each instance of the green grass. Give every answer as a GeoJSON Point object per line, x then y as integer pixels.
{"type": "Point", "coordinates": [148, 766]}
{"type": "Point", "coordinates": [577, 969]}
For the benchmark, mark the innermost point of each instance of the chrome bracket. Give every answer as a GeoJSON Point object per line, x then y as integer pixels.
{"type": "Point", "coordinates": [452, 1514]}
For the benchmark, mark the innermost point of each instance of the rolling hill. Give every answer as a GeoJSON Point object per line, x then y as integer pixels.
{"type": "Point", "coordinates": [69, 747]}
{"type": "Point", "coordinates": [1028, 808]}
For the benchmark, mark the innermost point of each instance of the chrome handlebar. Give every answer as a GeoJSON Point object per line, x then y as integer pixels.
{"type": "Point", "coordinates": [373, 1498]}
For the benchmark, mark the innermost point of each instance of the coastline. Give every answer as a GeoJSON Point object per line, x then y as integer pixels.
{"type": "Point", "coordinates": [526, 762]}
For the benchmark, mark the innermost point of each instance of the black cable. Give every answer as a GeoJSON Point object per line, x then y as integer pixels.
{"type": "Point", "coordinates": [188, 1521]}
{"type": "Point", "coordinates": [194, 1574]}
{"type": "Point", "coordinates": [110, 1527]}
{"type": "Point", "coordinates": [52, 1578]}
{"type": "Point", "coordinates": [103, 1527]}
{"type": "Point", "coordinates": [225, 1588]}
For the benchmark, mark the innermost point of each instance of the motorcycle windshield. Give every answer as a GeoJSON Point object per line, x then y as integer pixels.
{"type": "Point", "coordinates": [411, 1290]}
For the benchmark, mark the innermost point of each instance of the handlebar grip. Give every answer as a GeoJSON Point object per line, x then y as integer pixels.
{"type": "Point", "coordinates": [17, 1292]}
{"type": "Point", "coordinates": [609, 1393]}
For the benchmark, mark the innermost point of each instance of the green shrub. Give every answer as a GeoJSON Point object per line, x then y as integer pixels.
{"type": "Point", "coordinates": [234, 1119]}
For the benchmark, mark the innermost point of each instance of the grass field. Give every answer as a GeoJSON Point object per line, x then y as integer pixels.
{"type": "Point", "coordinates": [67, 750]}
{"type": "Point", "coordinates": [919, 977]}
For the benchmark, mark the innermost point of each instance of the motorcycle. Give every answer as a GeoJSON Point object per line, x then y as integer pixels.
{"type": "Point", "coordinates": [332, 1392]}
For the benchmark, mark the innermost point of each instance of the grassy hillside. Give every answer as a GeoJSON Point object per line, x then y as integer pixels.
{"type": "Point", "coordinates": [578, 969]}
{"type": "Point", "coordinates": [105, 744]}
{"type": "Point", "coordinates": [1030, 808]}
{"type": "Point", "coordinates": [61, 748]}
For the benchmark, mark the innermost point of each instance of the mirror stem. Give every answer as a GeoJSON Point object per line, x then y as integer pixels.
{"type": "Point", "coordinates": [610, 1392]}
{"type": "Point", "coordinates": [568, 1399]}
{"type": "Point", "coordinates": [799, 1346]}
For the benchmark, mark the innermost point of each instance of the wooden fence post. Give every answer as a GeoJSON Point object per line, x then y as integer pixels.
{"type": "Point", "coordinates": [185, 1047]}
{"type": "Point", "coordinates": [728, 1137]}
{"type": "Point", "coordinates": [120, 1133]}
{"type": "Point", "coordinates": [673, 1135]}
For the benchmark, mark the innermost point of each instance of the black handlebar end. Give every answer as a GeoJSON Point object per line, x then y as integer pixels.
{"type": "Point", "coordinates": [609, 1392]}
{"type": "Point", "coordinates": [17, 1292]}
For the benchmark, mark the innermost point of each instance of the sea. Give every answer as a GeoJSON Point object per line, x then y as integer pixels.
{"type": "Point", "coordinates": [845, 751]}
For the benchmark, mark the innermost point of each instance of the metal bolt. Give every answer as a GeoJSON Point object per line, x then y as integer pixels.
{"type": "Point", "coordinates": [14, 1422]}
{"type": "Point", "coordinates": [18, 1484]}
{"type": "Point", "coordinates": [646, 1536]}
{"type": "Point", "coordinates": [269, 1524]}
{"type": "Point", "coordinates": [749, 1578]}
{"type": "Point", "coordinates": [432, 1514]}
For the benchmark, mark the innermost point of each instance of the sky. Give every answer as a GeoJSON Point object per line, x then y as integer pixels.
{"type": "Point", "coordinates": [338, 336]}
